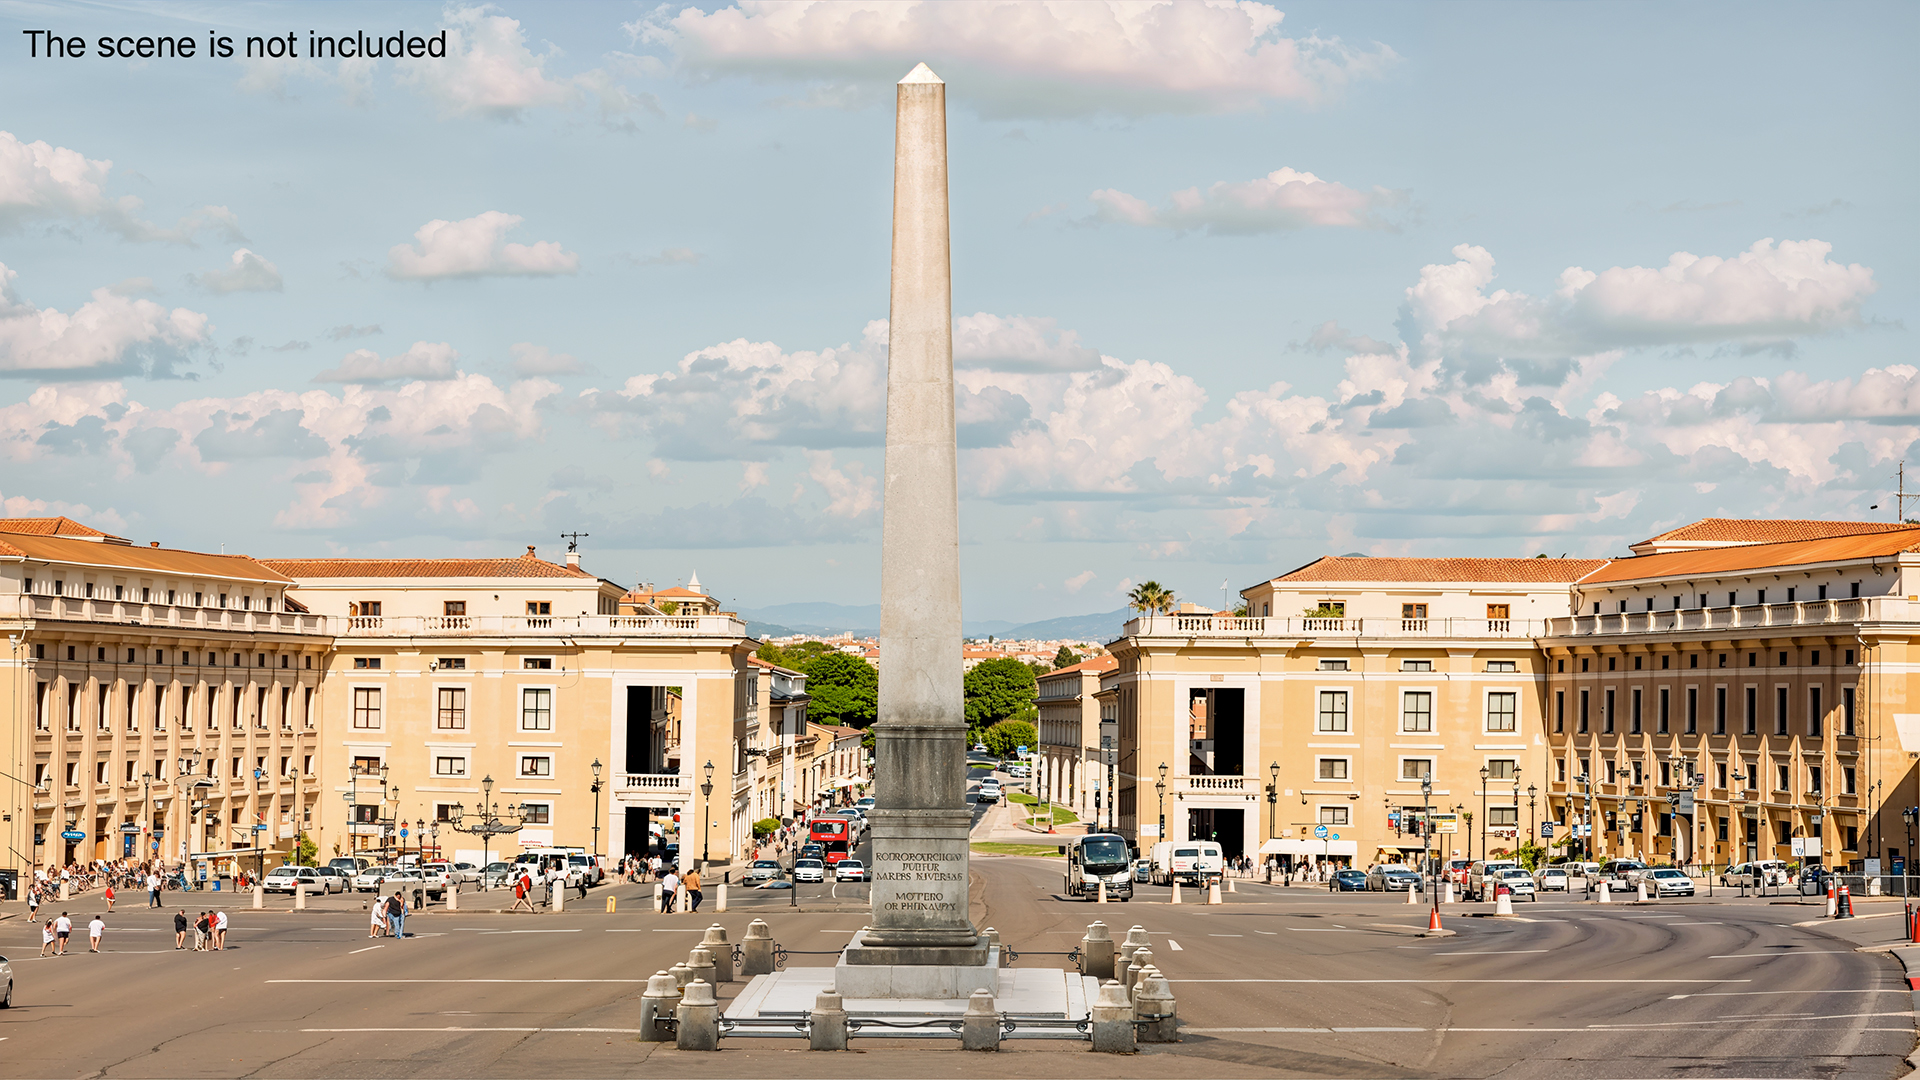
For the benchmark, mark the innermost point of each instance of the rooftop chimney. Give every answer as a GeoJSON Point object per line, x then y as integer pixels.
{"type": "Point", "coordinates": [155, 543]}
{"type": "Point", "coordinates": [530, 551]}
{"type": "Point", "coordinates": [573, 559]}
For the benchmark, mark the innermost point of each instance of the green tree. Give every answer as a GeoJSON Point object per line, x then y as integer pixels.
{"type": "Point", "coordinates": [845, 689]}
{"type": "Point", "coordinates": [305, 851]}
{"type": "Point", "coordinates": [794, 657]}
{"type": "Point", "coordinates": [1149, 597]}
{"type": "Point", "coordinates": [999, 690]}
{"type": "Point", "coordinates": [1065, 658]}
{"type": "Point", "coordinates": [1005, 737]}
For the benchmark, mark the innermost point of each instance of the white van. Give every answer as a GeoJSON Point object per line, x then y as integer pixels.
{"type": "Point", "coordinates": [573, 861]}
{"type": "Point", "coordinates": [1190, 862]}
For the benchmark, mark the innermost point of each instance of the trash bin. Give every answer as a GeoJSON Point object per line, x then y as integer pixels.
{"type": "Point", "coordinates": [216, 884]}
{"type": "Point", "coordinates": [9, 884]}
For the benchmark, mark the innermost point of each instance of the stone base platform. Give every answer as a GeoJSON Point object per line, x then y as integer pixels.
{"type": "Point", "coordinates": [1039, 992]}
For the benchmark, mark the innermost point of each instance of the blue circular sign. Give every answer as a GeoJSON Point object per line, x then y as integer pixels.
{"type": "Point", "coordinates": [1319, 832]}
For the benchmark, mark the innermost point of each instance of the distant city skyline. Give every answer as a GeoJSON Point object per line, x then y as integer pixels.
{"type": "Point", "coordinates": [1398, 279]}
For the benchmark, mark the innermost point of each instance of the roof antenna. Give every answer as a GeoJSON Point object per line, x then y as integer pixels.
{"type": "Point", "coordinates": [573, 539]}
{"type": "Point", "coordinates": [1900, 497]}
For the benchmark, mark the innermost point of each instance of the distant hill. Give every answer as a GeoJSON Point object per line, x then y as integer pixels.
{"type": "Point", "coordinates": [1103, 627]}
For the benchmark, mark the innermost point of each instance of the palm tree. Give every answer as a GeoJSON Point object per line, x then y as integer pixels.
{"type": "Point", "coordinates": [1149, 597]}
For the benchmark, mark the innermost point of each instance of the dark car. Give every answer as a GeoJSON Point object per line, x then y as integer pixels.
{"type": "Point", "coordinates": [1348, 881]}
{"type": "Point", "coordinates": [1813, 879]}
{"type": "Point", "coordinates": [813, 851]}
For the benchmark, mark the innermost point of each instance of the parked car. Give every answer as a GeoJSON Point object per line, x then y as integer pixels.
{"type": "Point", "coordinates": [1552, 879]}
{"type": "Point", "coordinates": [865, 804]}
{"type": "Point", "coordinates": [989, 791]}
{"type": "Point", "coordinates": [1142, 870]}
{"type": "Point", "coordinates": [1621, 873]}
{"type": "Point", "coordinates": [6, 996]}
{"type": "Point", "coordinates": [350, 864]}
{"type": "Point", "coordinates": [496, 875]}
{"type": "Point", "coordinates": [762, 870]}
{"type": "Point", "coordinates": [1518, 882]}
{"type": "Point", "coordinates": [1020, 772]}
{"type": "Point", "coordinates": [369, 880]}
{"type": "Point", "coordinates": [1457, 871]}
{"type": "Point", "coordinates": [809, 870]}
{"type": "Point", "coordinates": [465, 873]}
{"type": "Point", "coordinates": [850, 870]}
{"type": "Point", "coordinates": [1481, 875]}
{"type": "Point", "coordinates": [288, 878]}
{"type": "Point", "coordinates": [813, 851]}
{"type": "Point", "coordinates": [1756, 874]}
{"type": "Point", "coordinates": [335, 879]}
{"type": "Point", "coordinates": [1667, 881]}
{"type": "Point", "coordinates": [1391, 877]}
{"type": "Point", "coordinates": [1348, 881]}
{"type": "Point", "coordinates": [407, 879]}
{"type": "Point", "coordinates": [1813, 879]}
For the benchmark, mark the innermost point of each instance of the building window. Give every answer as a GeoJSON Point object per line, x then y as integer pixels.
{"type": "Point", "coordinates": [1813, 779]}
{"type": "Point", "coordinates": [1508, 666]}
{"type": "Point", "coordinates": [446, 765]}
{"type": "Point", "coordinates": [1846, 709]}
{"type": "Point", "coordinates": [366, 663]}
{"type": "Point", "coordinates": [368, 608]}
{"type": "Point", "coordinates": [539, 607]}
{"type": "Point", "coordinates": [1752, 725]}
{"type": "Point", "coordinates": [1416, 768]}
{"type": "Point", "coordinates": [1416, 711]}
{"type": "Point", "coordinates": [1559, 711]}
{"type": "Point", "coordinates": [1333, 665]}
{"type": "Point", "coordinates": [1333, 711]}
{"type": "Point", "coordinates": [1586, 697]}
{"type": "Point", "coordinates": [536, 663]}
{"type": "Point", "coordinates": [1633, 705]}
{"type": "Point", "coordinates": [1560, 770]}
{"type": "Point", "coordinates": [1613, 771]}
{"type": "Point", "coordinates": [1693, 710]}
{"type": "Point", "coordinates": [1719, 710]}
{"type": "Point", "coordinates": [1333, 768]}
{"type": "Point", "coordinates": [1815, 715]}
{"type": "Point", "coordinates": [454, 608]}
{"type": "Point", "coordinates": [1782, 778]}
{"type": "Point", "coordinates": [1416, 665]}
{"type": "Point", "coordinates": [366, 707]}
{"type": "Point", "coordinates": [1333, 815]}
{"type": "Point", "coordinates": [1502, 769]}
{"type": "Point", "coordinates": [536, 813]}
{"type": "Point", "coordinates": [536, 709]}
{"type": "Point", "coordinates": [1503, 817]}
{"type": "Point", "coordinates": [1849, 658]}
{"type": "Point", "coordinates": [1606, 709]}
{"type": "Point", "coordinates": [1847, 780]}
{"type": "Point", "coordinates": [1502, 711]}
{"type": "Point", "coordinates": [452, 663]}
{"type": "Point", "coordinates": [1720, 775]}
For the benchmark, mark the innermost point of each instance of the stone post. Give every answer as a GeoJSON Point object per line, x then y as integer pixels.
{"type": "Point", "coordinates": [453, 896]}
{"type": "Point", "coordinates": [682, 974]}
{"type": "Point", "coordinates": [259, 897]}
{"type": "Point", "coordinates": [1154, 1004]}
{"type": "Point", "coordinates": [1096, 951]}
{"type": "Point", "coordinates": [715, 942]}
{"type": "Point", "coordinates": [1176, 893]}
{"type": "Point", "coordinates": [720, 904]}
{"type": "Point", "coordinates": [980, 1025]}
{"type": "Point", "coordinates": [756, 949]}
{"type": "Point", "coordinates": [699, 1015]}
{"type": "Point", "coordinates": [662, 995]}
{"type": "Point", "coordinates": [700, 964]}
{"type": "Point", "coordinates": [920, 825]}
{"type": "Point", "coordinates": [828, 1027]}
{"type": "Point", "coordinates": [1123, 968]}
{"type": "Point", "coordinates": [559, 897]}
{"type": "Point", "coordinates": [299, 896]}
{"type": "Point", "coordinates": [1142, 960]}
{"type": "Point", "coordinates": [1136, 940]}
{"type": "Point", "coordinates": [1112, 1016]}
{"type": "Point", "coordinates": [66, 890]}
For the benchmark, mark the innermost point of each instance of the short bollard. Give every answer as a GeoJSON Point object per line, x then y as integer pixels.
{"type": "Point", "coordinates": [66, 890]}
{"type": "Point", "coordinates": [1844, 907]}
{"type": "Point", "coordinates": [1230, 885]}
{"type": "Point", "coordinates": [1123, 968]}
{"type": "Point", "coordinates": [700, 964]}
{"type": "Point", "coordinates": [715, 942]}
{"type": "Point", "coordinates": [1112, 1016]}
{"type": "Point", "coordinates": [1448, 898]}
{"type": "Point", "coordinates": [756, 950]}
{"type": "Point", "coordinates": [1606, 894]}
{"type": "Point", "coordinates": [1176, 893]}
{"type": "Point", "coordinates": [1103, 894]}
{"type": "Point", "coordinates": [453, 897]}
{"type": "Point", "coordinates": [1096, 951]}
{"type": "Point", "coordinates": [992, 936]}
{"type": "Point", "coordinates": [685, 902]}
{"type": "Point", "coordinates": [662, 995]}
{"type": "Point", "coordinates": [720, 905]}
{"type": "Point", "coordinates": [1413, 895]}
{"type": "Point", "coordinates": [1136, 940]}
{"type": "Point", "coordinates": [612, 908]}
{"type": "Point", "coordinates": [1153, 1008]}
{"type": "Point", "coordinates": [828, 1027]}
{"type": "Point", "coordinates": [299, 896]}
{"type": "Point", "coordinates": [1142, 960]}
{"type": "Point", "coordinates": [259, 897]}
{"type": "Point", "coordinates": [980, 1024]}
{"type": "Point", "coordinates": [682, 974]}
{"type": "Point", "coordinates": [1213, 892]}
{"type": "Point", "coordinates": [699, 1016]}
{"type": "Point", "coordinates": [1502, 901]}
{"type": "Point", "coordinates": [559, 897]}
{"type": "Point", "coordinates": [659, 896]}
{"type": "Point", "coordinates": [1643, 892]}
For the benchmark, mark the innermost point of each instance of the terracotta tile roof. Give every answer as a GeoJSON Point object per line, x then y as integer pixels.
{"type": "Point", "coordinates": [1103, 662]}
{"type": "Point", "coordinates": [1524, 571]}
{"type": "Point", "coordinates": [1721, 560]}
{"type": "Point", "coordinates": [757, 662]}
{"type": "Point", "coordinates": [52, 526]}
{"type": "Point", "coordinates": [152, 559]}
{"type": "Point", "coordinates": [526, 566]}
{"type": "Point", "coordinates": [1765, 531]}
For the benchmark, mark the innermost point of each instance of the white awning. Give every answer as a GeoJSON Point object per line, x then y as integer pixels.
{"type": "Point", "coordinates": [1349, 848]}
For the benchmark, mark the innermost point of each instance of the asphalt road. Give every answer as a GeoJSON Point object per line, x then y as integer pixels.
{"type": "Point", "coordinates": [1277, 982]}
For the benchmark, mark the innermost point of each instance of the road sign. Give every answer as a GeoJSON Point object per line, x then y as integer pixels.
{"type": "Point", "coordinates": [1445, 823]}
{"type": "Point", "coordinates": [403, 832]}
{"type": "Point", "coordinates": [129, 828]}
{"type": "Point", "coordinates": [1335, 836]}
{"type": "Point", "coordinates": [1393, 818]}
{"type": "Point", "coordinates": [1683, 803]}
{"type": "Point", "coordinates": [1319, 832]}
{"type": "Point", "coordinates": [73, 836]}
{"type": "Point", "coordinates": [1546, 830]}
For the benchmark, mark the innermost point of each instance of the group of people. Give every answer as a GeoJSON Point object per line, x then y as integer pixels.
{"type": "Point", "coordinates": [209, 931]}
{"type": "Point", "coordinates": [389, 916]}
{"type": "Point", "coordinates": [55, 934]}
{"type": "Point", "coordinates": [671, 886]}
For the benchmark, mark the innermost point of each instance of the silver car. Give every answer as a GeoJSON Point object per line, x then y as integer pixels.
{"type": "Point", "coordinates": [6, 996]}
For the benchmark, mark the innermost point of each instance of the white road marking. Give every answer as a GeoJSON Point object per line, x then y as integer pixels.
{"type": "Point", "coordinates": [516, 1030]}
{"type": "Point", "coordinates": [1700, 1023]}
{"type": "Point", "coordinates": [1791, 952]}
{"type": "Point", "coordinates": [1226, 935]}
{"type": "Point", "coordinates": [1174, 945]}
{"type": "Point", "coordinates": [369, 948]}
{"type": "Point", "coordinates": [1758, 993]}
{"type": "Point", "coordinates": [1269, 933]}
{"type": "Point", "coordinates": [484, 932]}
{"type": "Point", "coordinates": [1494, 952]}
{"type": "Point", "coordinates": [329, 982]}
{"type": "Point", "coordinates": [1354, 982]}
{"type": "Point", "coordinates": [1765, 1026]}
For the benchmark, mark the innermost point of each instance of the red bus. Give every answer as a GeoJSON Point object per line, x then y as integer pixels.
{"type": "Point", "coordinates": [831, 834]}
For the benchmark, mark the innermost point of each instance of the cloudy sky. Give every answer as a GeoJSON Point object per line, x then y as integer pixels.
{"type": "Point", "coordinates": [1236, 285]}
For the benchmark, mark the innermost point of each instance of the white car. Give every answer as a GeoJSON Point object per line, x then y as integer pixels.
{"type": "Point", "coordinates": [1518, 882]}
{"type": "Point", "coordinates": [1551, 878]}
{"type": "Point", "coordinates": [809, 870]}
{"type": "Point", "coordinates": [6, 996]}
{"type": "Point", "coordinates": [369, 880]}
{"type": "Point", "coordinates": [850, 870]}
{"type": "Point", "coordinates": [497, 874]}
{"type": "Point", "coordinates": [989, 791]}
{"type": "Point", "coordinates": [762, 870]}
{"type": "Point", "coordinates": [465, 873]}
{"type": "Point", "coordinates": [287, 879]}
{"type": "Point", "coordinates": [1666, 881]}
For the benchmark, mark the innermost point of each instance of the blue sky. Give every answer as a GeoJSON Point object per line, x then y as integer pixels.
{"type": "Point", "coordinates": [1236, 285]}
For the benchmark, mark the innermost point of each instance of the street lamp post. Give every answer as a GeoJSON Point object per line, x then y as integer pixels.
{"type": "Point", "coordinates": [490, 825]}
{"type": "Point", "coordinates": [1426, 830]}
{"type": "Point", "coordinates": [706, 816]}
{"type": "Point", "coordinates": [1160, 788]}
{"type": "Point", "coordinates": [1533, 833]}
{"type": "Point", "coordinates": [596, 806]}
{"type": "Point", "coordinates": [420, 838]}
{"type": "Point", "coordinates": [1484, 773]}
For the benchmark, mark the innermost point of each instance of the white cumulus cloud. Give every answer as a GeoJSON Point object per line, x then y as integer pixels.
{"type": "Point", "coordinates": [246, 272]}
{"type": "Point", "coordinates": [531, 359]}
{"type": "Point", "coordinates": [1282, 199]}
{"type": "Point", "coordinates": [109, 333]}
{"type": "Point", "coordinates": [490, 71]}
{"type": "Point", "coordinates": [423, 360]}
{"type": "Point", "coordinates": [39, 181]}
{"type": "Point", "coordinates": [476, 247]}
{"type": "Point", "coordinates": [1015, 59]}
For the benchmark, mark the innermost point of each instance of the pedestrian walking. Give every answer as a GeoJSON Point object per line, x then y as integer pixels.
{"type": "Point", "coordinates": [33, 902]}
{"type": "Point", "coordinates": [219, 931]}
{"type": "Point", "coordinates": [46, 939]}
{"type": "Point", "coordinates": [108, 897]}
{"type": "Point", "coordinates": [94, 929]}
{"type": "Point", "coordinates": [669, 892]}
{"type": "Point", "coordinates": [62, 930]}
{"type": "Point", "coordinates": [202, 931]}
{"type": "Point", "coordinates": [153, 889]}
{"type": "Point", "coordinates": [378, 910]}
{"type": "Point", "coordinates": [180, 924]}
{"type": "Point", "coordinates": [693, 888]}
{"type": "Point", "coordinates": [520, 898]}
{"type": "Point", "coordinates": [397, 915]}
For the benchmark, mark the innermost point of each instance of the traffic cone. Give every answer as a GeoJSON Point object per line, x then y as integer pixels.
{"type": "Point", "coordinates": [1433, 920]}
{"type": "Point", "coordinates": [1502, 902]}
{"type": "Point", "coordinates": [1844, 910]}
{"type": "Point", "coordinates": [1643, 892]}
{"type": "Point", "coordinates": [1413, 895]}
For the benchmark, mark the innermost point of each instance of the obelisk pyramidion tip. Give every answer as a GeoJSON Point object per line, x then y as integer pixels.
{"type": "Point", "coordinates": [921, 73]}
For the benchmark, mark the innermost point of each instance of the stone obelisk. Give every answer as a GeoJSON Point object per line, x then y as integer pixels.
{"type": "Point", "coordinates": [921, 820]}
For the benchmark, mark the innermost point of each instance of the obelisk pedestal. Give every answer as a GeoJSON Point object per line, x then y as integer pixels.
{"type": "Point", "coordinates": [920, 820]}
